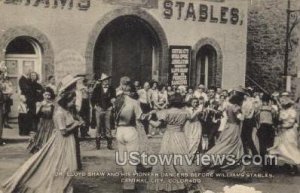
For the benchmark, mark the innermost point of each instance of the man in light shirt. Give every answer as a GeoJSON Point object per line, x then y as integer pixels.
{"type": "Point", "coordinates": [199, 92]}
{"type": "Point", "coordinates": [145, 103]}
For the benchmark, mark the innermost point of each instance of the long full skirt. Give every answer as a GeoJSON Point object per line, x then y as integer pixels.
{"type": "Point", "coordinates": [47, 171]}
{"type": "Point", "coordinates": [230, 144]}
{"type": "Point", "coordinates": [193, 133]}
{"type": "Point", "coordinates": [286, 147]}
{"type": "Point", "coordinates": [171, 175]}
{"type": "Point", "coordinates": [44, 132]}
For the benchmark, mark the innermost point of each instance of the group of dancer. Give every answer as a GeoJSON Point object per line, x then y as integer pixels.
{"type": "Point", "coordinates": [47, 170]}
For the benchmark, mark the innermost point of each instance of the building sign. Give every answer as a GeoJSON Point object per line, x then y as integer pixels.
{"type": "Point", "coordinates": [68, 4]}
{"type": "Point", "coordinates": [180, 62]}
{"type": "Point", "coordinates": [139, 3]}
{"type": "Point", "coordinates": [200, 12]}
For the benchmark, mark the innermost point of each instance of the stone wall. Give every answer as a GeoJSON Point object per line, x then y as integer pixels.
{"type": "Point", "coordinates": [266, 43]}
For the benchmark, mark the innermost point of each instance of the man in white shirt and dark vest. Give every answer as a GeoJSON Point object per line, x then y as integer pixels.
{"type": "Point", "coordinates": [102, 101]}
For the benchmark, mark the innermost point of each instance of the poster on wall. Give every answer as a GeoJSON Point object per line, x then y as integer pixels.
{"type": "Point", "coordinates": [180, 62]}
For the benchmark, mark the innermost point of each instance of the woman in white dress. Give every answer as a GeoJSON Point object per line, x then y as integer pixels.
{"type": "Point", "coordinates": [286, 143]}
{"type": "Point", "coordinates": [193, 127]}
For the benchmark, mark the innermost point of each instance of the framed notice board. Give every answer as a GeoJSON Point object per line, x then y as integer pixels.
{"type": "Point", "coordinates": [180, 63]}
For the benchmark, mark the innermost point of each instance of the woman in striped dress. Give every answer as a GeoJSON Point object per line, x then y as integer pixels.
{"type": "Point", "coordinates": [173, 143]}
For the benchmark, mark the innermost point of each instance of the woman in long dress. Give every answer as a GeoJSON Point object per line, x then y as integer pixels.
{"type": "Point", "coordinates": [193, 128]}
{"type": "Point", "coordinates": [173, 143]}
{"type": "Point", "coordinates": [229, 141]}
{"type": "Point", "coordinates": [48, 170]}
{"type": "Point", "coordinates": [286, 143]}
{"type": "Point", "coordinates": [45, 110]}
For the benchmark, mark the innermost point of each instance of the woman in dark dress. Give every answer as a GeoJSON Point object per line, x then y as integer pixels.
{"type": "Point", "coordinates": [45, 128]}
{"type": "Point", "coordinates": [230, 142]}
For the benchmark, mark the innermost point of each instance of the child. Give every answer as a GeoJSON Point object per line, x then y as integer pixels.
{"type": "Point", "coordinates": [23, 117]}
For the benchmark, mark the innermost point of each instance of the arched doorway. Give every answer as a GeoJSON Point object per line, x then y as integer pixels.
{"type": "Point", "coordinates": [22, 54]}
{"type": "Point", "coordinates": [206, 62]}
{"type": "Point", "coordinates": [127, 46]}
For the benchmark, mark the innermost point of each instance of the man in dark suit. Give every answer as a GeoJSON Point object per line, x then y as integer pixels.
{"type": "Point", "coordinates": [24, 84]}
{"type": "Point", "coordinates": [102, 100]}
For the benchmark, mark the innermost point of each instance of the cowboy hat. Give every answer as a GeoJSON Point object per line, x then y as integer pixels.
{"type": "Point", "coordinates": [240, 90]}
{"type": "Point", "coordinates": [285, 94]}
{"type": "Point", "coordinates": [66, 82]}
{"type": "Point", "coordinates": [104, 76]}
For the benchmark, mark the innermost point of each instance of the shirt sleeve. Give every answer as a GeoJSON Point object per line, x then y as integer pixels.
{"type": "Point", "coordinates": [161, 115]}
{"type": "Point", "coordinates": [137, 110]}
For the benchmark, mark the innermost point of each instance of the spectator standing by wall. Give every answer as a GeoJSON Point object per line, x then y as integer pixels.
{"type": "Point", "coordinates": [8, 102]}
{"type": "Point", "coordinates": [33, 95]}
{"type": "Point", "coordinates": [51, 84]}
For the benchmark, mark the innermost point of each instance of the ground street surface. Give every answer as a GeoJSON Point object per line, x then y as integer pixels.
{"type": "Point", "coordinates": [14, 153]}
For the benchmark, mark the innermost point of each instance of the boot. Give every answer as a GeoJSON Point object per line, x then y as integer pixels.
{"type": "Point", "coordinates": [109, 144]}
{"type": "Point", "coordinates": [98, 143]}
{"type": "Point", "coordinates": [293, 170]}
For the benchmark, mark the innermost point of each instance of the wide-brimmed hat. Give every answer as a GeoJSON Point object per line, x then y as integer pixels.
{"type": "Point", "coordinates": [240, 90]}
{"type": "Point", "coordinates": [104, 77]}
{"type": "Point", "coordinates": [66, 82]}
{"type": "Point", "coordinates": [285, 94]}
{"type": "Point", "coordinates": [201, 86]}
{"type": "Point", "coordinates": [286, 101]}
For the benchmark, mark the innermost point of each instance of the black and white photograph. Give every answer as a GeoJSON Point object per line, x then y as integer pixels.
{"type": "Point", "coordinates": [149, 96]}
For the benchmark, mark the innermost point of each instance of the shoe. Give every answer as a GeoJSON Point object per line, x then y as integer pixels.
{"type": "Point", "coordinates": [293, 170]}
{"type": "Point", "coordinates": [149, 136]}
{"type": "Point", "coordinates": [2, 142]}
{"type": "Point", "coordinates": [109, 144]}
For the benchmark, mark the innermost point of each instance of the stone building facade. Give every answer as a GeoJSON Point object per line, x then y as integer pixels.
{"type": "Point", "coordinates": [267, 21]}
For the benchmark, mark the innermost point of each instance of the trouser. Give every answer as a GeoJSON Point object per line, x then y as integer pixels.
{"type": "Point", "coordinates": [7, 109]}
{"type": "Point", "coordinates": [1, 122]}
{"type": "Point", "coordinates": [77, 146]}
{"type": "Point", "coordinates": [32, 117]}
{"type": "Point", "coordinates": [266, 135]}
{"type": "Point", "coordinates": [85, 115]}
{"type": "Point", "coordinates": [146, 109]}
{"type": "Point", "coordinates": [210, 130]}
{"type": "Point", "coordinates": [247, 130]}
{"type": "Point", "coordinates": [127, 138]}
{"type": "Point", "coordinates": [23, 124]}
{"type": "Point", "coordinates": [104, 123]}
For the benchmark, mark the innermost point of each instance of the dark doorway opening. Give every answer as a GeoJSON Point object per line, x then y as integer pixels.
{"type": "Point", "coordinates": [127, 46]}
